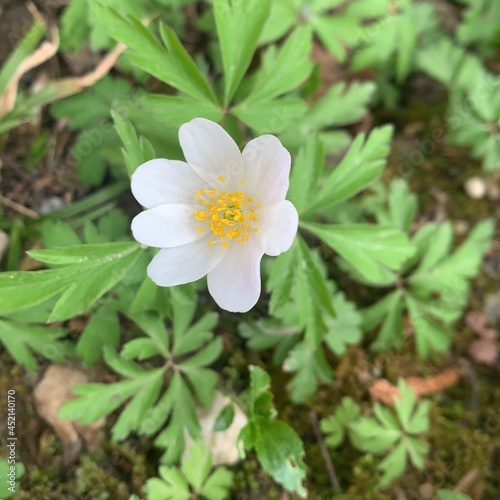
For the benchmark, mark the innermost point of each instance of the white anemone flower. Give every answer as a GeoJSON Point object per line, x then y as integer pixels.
{"type": "Point", "coordinates": [217, 213]}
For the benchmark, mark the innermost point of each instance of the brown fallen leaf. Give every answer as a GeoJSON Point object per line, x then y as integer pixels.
{"type": "Point", "coordinates": [382, 390]}
{"type": "Point", "coordinates": [50, 394]}
{"type": "Point", "coordinates": [43, 53]}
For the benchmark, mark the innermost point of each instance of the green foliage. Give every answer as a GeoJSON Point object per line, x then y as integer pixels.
{"type": "Point", "coordinates": [187, 351]}
{"type": "Point", "coordinates": [279, 449]}
{"type": "Point", "coordinates": [395, 434]}
{"type": "Point", "coordinates": [253, 71]}
{"type": "Point", "coordinates": [336, 425]}
{"type": "Point", "coordinates": [192, 478]}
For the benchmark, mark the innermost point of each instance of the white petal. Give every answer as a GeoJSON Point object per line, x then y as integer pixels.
{"type": "Point", "coordinates": [211, 153]}
{"type": "Point", "coordinates": [161, 181]}
{"type": "Point", "coordinates": [267, 168]}
{"type": "Point", "coordinates": [277, 227]}
{"type": "Point", "coordinates": [184, 264]}
{"type": "Point", "coordinates": [235, 282]}
{"type": "Point", "coordinates": [166, 226]}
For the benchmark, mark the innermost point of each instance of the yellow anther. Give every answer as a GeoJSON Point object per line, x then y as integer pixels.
{"type": "Point", "coordinates": [227, 214]}
{"type": "Point", "coordinates": [222, 179]}
{"type": "Point", "coordinates": [201, 230]}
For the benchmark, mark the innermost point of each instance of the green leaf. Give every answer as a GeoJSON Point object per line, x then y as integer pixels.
{"type": "Point", "coordinates": [90, 271]}
{"type": "Point", "coordinates": [305, 173]}
{"type": "Point", "coordinates": [363, 163]}
{"type": "Point", "coordinates": [270, 116]}
{"type": "Point", "coordinates": [134, 152]}
{"type": "Point", "coordinates": [171, 65]}
{"type": "Point", "coordinates": [217, 486]}
{"type": "Point", "coordinates": [283, 69]}
{"type": "Point", "coordinates": [58, 234]}
{"type": "Point", "coordinates": [239, 25]}
{"type": "Point", "coordinates": [74, 30]}
{"type": "Point", "coordinates": [430, 335]}
{"type": "Point", "coordinates": [280, 453]}
{"type": "Point", "coordinates": [449, 64]}
{"type": "Point", "coordinates": [336, 33]}
{"type": "Point", "coordinates": [196, 466]}
{"type": "Point", "coordinates": [390, 311]}
{"type": "Point", "coordinates": [282, 278]}
{"type": "Point", "coordinates": [334, 427]}
{"type": "Point", "coordinates": [342, 105]}
{"type": "Point", "coordinates": [308, 365]}
{"type": "Point", "coordinates": [369, 248]}
{"type": "Point", "coordinates": [21, 339]}
{"type": "Point", "coordinates": [171, 486]}
{"type": "Point", "coordinates": [224, 418]}
{"type": "Point", "coordinates": [345, 328]}
{"type": "Point", "coordinates": [175, 110]}
{"type": "Point", "coordinates": [103, 329]}
{"type": "Point", "coordinates": [452, 495]}
{"type": "Point", "coordinates": [393, 466]}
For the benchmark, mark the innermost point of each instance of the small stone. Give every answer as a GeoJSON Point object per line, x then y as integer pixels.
{"type": "Point", "coordinates": [484, 351]}
{"type": "Point", "coordinates": [55, 389]}
{"type": "Point", "coordinates": [476, 188]}
{"type": "Point", "coordinates": [51, 205]}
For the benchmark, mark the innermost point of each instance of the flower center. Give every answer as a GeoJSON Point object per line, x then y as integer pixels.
{"type": "Point", "coordinates": [228, 215]}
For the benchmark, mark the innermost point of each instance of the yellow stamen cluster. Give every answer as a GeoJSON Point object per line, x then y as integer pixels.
{"type": "Point", "coordinates": [229, 215]}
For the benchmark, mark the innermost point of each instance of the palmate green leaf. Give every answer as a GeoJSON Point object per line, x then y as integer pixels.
{"type": "Point", "coordinates": [439, 271]}
{"type": "Point", "coordinates": [91, 270]}
{"type": "Point", "coordinates": [194, 475]}
{"type": "Point", "coordinates": [449, 64]}
{"type": "Point", "coordinates": [196, 466]}
{"type": "Point", "coordinates": [217, 485]}
{"type": "Point", "coordinates": [171, 486]}
{"type": "Point", "coordinates": [335, 426]}
{"type": "Point", "coordinates": [280, 452]}
{"type": "Point", "coordinates": [283, 69]}
{"type": "Point", "coordinates": [21, 339]}
{"type": "Point", "coordinates": [171, 65]}
{"type": "Point", "coordinates": [363, 163]}
{"type": "Point", "coordinates": [373, 436]}
{"type": "Point", "coordinates": [369, 248]}
{"type": "Point", "coordinates": [239, 25]}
